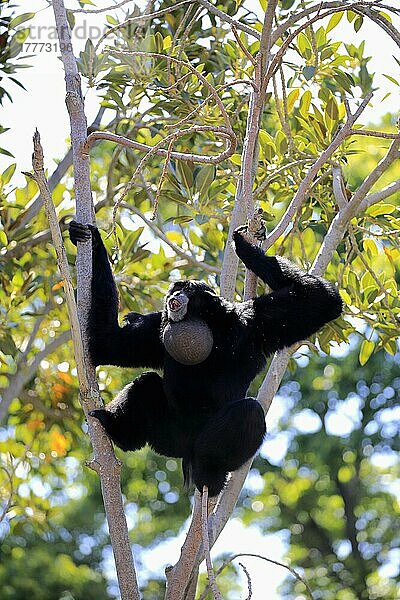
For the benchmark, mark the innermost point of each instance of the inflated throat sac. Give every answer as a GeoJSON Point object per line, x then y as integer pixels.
{"type": "Point", "coordinates": [188, 342]}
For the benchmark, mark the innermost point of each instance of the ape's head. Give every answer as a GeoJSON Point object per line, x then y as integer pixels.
{"type": "Point", "coordinates": [186, 300]}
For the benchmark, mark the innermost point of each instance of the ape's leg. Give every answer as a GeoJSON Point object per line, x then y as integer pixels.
{"type": "Point", "coordinates": [227, 441]}
{"type": "Point", "coordinates": [139, 414]}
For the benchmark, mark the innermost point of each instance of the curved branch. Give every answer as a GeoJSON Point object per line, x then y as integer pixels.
{"type": "Point", "coordinates": [386, 192]}
{"type": "Point", "coordinates": [186, 156]}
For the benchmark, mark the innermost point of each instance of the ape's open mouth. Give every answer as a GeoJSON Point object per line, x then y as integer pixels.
{"type": "Point", "coordinates": [177, 306]}
{"type": "Point", "coordinates": [174, 304]}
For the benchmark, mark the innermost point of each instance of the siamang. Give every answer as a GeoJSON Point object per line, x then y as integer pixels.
{"type": "Point", "coordinates": [200, 412]}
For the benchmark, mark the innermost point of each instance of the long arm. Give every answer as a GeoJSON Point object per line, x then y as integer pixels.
{"type": "Point", "coordinates": [299, 305]}
{"type": "Point", "coordinates": [137, 344]}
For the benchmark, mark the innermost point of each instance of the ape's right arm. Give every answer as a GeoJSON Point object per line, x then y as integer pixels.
{"type": "Point", "coordinates": [138, 343]}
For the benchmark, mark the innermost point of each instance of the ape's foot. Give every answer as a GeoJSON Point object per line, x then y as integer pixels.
{"type": "Point", "coordinates": [215, 480]}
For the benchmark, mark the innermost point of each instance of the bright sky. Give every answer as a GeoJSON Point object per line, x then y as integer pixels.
{"type": "Point", "coordinates": [43, 107]}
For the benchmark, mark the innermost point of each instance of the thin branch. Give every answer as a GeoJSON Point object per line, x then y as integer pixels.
{"type": "Point", "coordinates": [227, 19]}
{"type": "Point", "coordinates": [373, 133]}
{"type": "Point", "coordinates": [242, 46]}
{"type": "Point", "coordinates": [96, 11]}
{"type": "Point", "coordinates": [10, 493]}
{"type": "Point", "coordinates": [30, 213]}
{"type": "Point", "coordinates": [339, 187]}
{"type": "Point", "coordinates": [249, 584]}
{"type": "Point", "coordinates": [386, 192]}
{"type": "Point", "coordinates": [206, 544]}
{"type": "Point", "coordinates": [162, 178]}
{"type": "Point", "coordinates": [383, 165]}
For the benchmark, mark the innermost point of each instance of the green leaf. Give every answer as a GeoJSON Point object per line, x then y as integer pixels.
{"type": "Point", "coordinates": [370, 246]}
{"type": "Point", "coordinates": [309, 72]}
{"type": "Point", "coordinates": [332, 109]}
{"type": "Point", "coordinates": [358, 23]}
{"type": "Point", "coordinates": [392, 79]}
{"type": "Point", "coordinates": [20, 19]}
{"type": "Point", "coordinates": [236, 159]}
{"type": "Point", "coordinates": [304, 45]}
{"type": "Point", "coordinates": [3, 238]}
{"type": "Point", "coordinates": [351, 16]}
{"type": "Point", "coordinates": [8, 173]}
{"type": "Point", "coordinates": [71, 18]}
{"type": "Point", "coordinates": [333, 21]}
{"type": "Point", "coordinates": [305, 102]}
{"type": "Point", "coordinates": [184, 172]}
{"type": "Point", "coordinates": [131, 239]}
{"type": "Point", "coordinates": [7, 345]}
{"type": "Point", "coordinates": [381, 209]}
{"type": "Point", "coordinates": [367, 348]}
{"type": "Point", "coordinates": [204, 179]}
{"type": "Point", "coordinates": [291, 100]}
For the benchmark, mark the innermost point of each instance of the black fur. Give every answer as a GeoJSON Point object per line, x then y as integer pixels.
{"type": "Point", "coordinates": [200, 412]}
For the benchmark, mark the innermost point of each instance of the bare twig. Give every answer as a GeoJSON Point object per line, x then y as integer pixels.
{"type": "Point", "coordinates": [30, 213]}
{"type": "Point", "coordinates": [249, 585]}
{"type": "Point", "coordinates": [162, 177]}
{"type": "Point", "coordinates": [339, 187]}
{"type": "Point", "coordinates": [375, 197]}
{"type": "Point", "coordinates": [269, 560]}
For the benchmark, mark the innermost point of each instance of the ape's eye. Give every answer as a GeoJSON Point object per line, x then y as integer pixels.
{"type": "Point", "coordinates": [178, 285]}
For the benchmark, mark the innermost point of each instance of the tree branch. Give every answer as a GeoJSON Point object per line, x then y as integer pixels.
{"type": "Point", "coordinates": [104, 458]}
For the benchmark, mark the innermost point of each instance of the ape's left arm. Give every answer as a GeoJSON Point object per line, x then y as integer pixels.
{"type": "Point", "coordinates": [299, 305]}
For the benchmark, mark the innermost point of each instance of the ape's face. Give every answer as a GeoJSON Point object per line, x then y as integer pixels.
{"type": "Point", "coordinates": [185, 298]}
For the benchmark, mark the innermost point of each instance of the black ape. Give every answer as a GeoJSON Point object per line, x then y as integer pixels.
{"type": "Point", "coordinates": [200, 412]}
